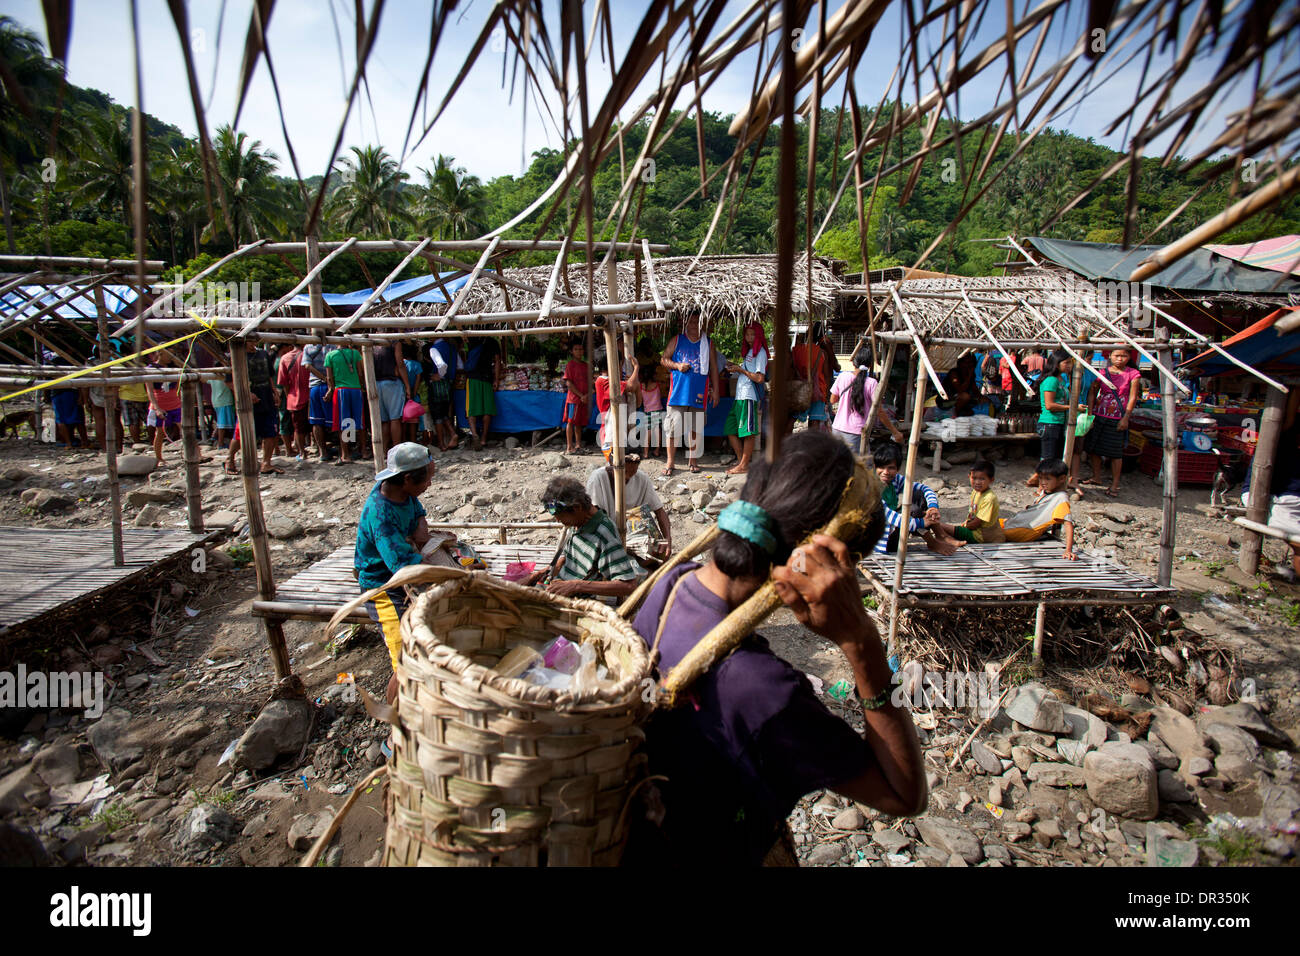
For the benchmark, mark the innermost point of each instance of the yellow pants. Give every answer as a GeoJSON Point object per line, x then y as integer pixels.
{"type": "Point", "coordinates": [386, 611]}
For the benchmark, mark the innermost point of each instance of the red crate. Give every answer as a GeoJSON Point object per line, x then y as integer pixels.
{"type": "Point", "coordinates": [1194, 467]}
{"type": "Point", "coordinates": [1230, 440]}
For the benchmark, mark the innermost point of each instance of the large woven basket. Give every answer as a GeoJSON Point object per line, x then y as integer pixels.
{"type": "Point", "coordinates": [799, 395]}
{"type": "Point", "coordinates": [490, 771]}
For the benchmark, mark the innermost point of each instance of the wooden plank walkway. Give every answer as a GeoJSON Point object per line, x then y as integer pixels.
{"type": "Point", "coordinates": [1012, 573]}
{"type": "Point", "coordinates": [315, 593]}
{"type": "Point", "coordinates": [48, 569]}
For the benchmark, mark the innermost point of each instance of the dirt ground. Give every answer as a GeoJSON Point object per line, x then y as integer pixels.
{"type": "Point", "coordinates": [190, 669]}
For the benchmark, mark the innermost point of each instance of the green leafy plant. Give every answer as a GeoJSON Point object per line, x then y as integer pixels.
{"type": "Point", "coordinates": [217, 797]}
{"type": "Point", "coordinates": [241, 553]}
{"type": "Point", "coordinates": [870, 602]}
{"type": "Point", "coordinates": [1291, 613]}
{"type": "Point", "coordinates": [1214, 568]}
{"type": "Point", "coordinates": [114, 816]}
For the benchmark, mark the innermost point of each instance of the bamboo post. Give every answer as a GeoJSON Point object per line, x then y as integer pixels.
{"type": "Point", "coordinates": [1169, 515]}
{"type": "Point", "coordinates": [1040, 625]}
{"type": "Point", "coordinates": [1261, 479]}
{"type": "Point", "coordinates": [905, 507]}
{"type": "Point", "coordinates": [253, 505]}
{"type": "Point", "coordinates": [190, 446]}
{"type": "Point", "coordinates": [1071, 419]}
{"type": "Point", "coordinates": [372, 403]}
{"type": "Point", "coordinates": [616, 406]}
{"type": "Point", "coordinates": [110, 433]}
{"type": "Point", "coordinates": [910, 389]}
{"type": "Point", "coordinates": [877, 400]}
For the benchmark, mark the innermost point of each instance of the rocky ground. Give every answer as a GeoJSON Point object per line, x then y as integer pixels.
{"type": "Point", "coordinates": [1045, 783]}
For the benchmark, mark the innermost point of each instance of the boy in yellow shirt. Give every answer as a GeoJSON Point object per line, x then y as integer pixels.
{"type": "Point", "coordinates": [982, 525]}
{"type": "Point", "coordinates": [1050, 509]}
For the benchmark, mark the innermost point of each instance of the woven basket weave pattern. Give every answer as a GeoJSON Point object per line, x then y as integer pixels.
{"type": "Point", "coordinates": [488, 771]}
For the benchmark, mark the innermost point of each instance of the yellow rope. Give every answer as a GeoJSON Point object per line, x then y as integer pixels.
{"type": "Point", "coordinates": [208, 326]}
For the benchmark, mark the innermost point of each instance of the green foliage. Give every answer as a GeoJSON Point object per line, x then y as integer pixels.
{"type": "Point", "coordinates": [241, 554]}
{"type": "Point", "coordinates": [114, 816]}
{"type": "Point", "coordinates": [216, 797]}
{"type": "Point", "coordinates": [1291, 613]}
{"type": "Point", "coordinates": [102, 239]}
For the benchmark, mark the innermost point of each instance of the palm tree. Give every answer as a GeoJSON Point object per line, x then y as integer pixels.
{"type": "Point", "coordinates": [369, 197]}
{"type": "Point", "coordinates": [30, 81]}
{"type": "Point", "coordinates": [452, 204]}
{"type": "Point", "coordinates": [177, 202]}
{"type": "Point", "coordinates": [254, 197]}
{"type": "Point", "coordinates": [105, 170]}
{"type": "Point", "coordinates": [892, 229]}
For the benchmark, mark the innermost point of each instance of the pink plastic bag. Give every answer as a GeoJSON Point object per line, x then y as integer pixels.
{"type": "Point", "coordinates": [518, 570]}
{"type": "Point", "coordinates": [413, 411]}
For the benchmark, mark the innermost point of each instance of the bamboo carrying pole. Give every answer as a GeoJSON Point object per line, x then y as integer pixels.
{"type": "Point", "coordinates": [1040, 626]}
{"type": "Point", "coordinates": [253, 505]}
{"type": "Point", "coordinates": [1261, 479]}
{"type": "Point", "coordinates": [617, 408]}
{"type": "Point", "coordinates": [110, 436]}
{"type": "Point", "coordinates": [877, 401]}
{"type": "Point", "coordinates": [190, 446]}
{"type": "Point", "coordinates": [377, 437]}
{"type": "Point", "coordinates": [1169, 515]}
{"type": "Point", "coordinates": [905, 506]}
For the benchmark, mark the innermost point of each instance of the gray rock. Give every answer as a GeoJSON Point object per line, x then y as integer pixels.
{"type": "Point", "coordinates": [136, 465]}
{"type": "Point", "coordinates": [950, 838]}
{"type": "Point", "coordinates": [891, 841]}
{"type": "Point", "coordinates": [19, 846]}
{"type": "Point", "coordinates": [1073, 750]}
{"type": "Point", "coordinates": [1056, 775]}
{"type": "Point", "coordinates": [511, 442]}
{"type": "Point", "coordinates": [850, 819]}
{"type": "Point", "coordinates": [555, 461]}
{"type": "Point", "coordinates": [1023, 757]}
{"type": "Point", "coordinates": [1162, 755]}
{"type": "Point", "coordinates": [1234, 768]}
{"type": "Point", "coordinates": [995, 794]}
{"type": "Point", "coordinates": [1179, 734]}
{"type": "Point", "coordinates": [281, 729]}
{"type": "Point", "coordinates": [149, 495]}
{"type": "Point", "coordinates": [222, 519]}
{"type": "Point", "coordinates": [57, 764]}
{"type": "Point", "coordinates": [149, 516]}
{"type": "Point", "coordinates": [1196, 766]}
{"type": "Point", "coordinates": [1249, 719]}
{"type": "Point", "coordinates": [988, 761]}
{"type": "Point", "coordinates": [699, 499]}
{"type": "Point", "coordinates": [1281, 806]}
{"type": "Point", "coordinates": [46, 501]}
{"type": "Point", "coordinates": [1122, 780]}
{"type": "Point", "coordinates": [1049, 829]}
{"type": "Point", "coordinates": [21, 790]}
{"type": "Point", "coordinates": [1016, 831]}
{"type": "Point", "coordinates": [115, 744]}
{"type": "Point", "coordinates": [1084, 726]}
{"type": "Point", "coordinates": [1033, 706]}
{"type": "Point", "coordinates": [205, 826]}
{"type": "Point", "coordinates": [1127, 751]}
{"type": "Point", "coordinates": [928, 855]}
{"type": "Point", "coordinates": [183, 735]}
{"type": "Point", "coordinates": [1172, 789]}
{"type": "Point", "coordinates": [307, 828]}
{"type": "Point", "coordinates": [1278, 847]}
{"type": "Point", "coordinates": [1231, 740]}
{"type": "Point", "coordinates": [283, 528]}
{"type": "Point", "coordinates": [825, 855]}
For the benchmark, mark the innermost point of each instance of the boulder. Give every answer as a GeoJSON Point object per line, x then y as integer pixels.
{"type": "Point", "coordinates": [1085, 727]}
{"type": "Point", "coordinates": [116, 746]}
{"type": "Point", "coordinates": [57, 764]}
{"type": "Point", "coordinates": [1172, 789]}
{"type": "Point", "coordinates": [891, 841]}
{"type": "Point", "coordinates": [950, 838]}
{"type": "Point", "coordinates": [46, 501]}
{"type": "Point", "coordinates": [1122, 779]}
{"type": "Point", "coordinates": [222, 519]}
{"type": "Point", "coordinates": [1056, 774]}
{"type": "Point", "coordinates": [205, 826]}
{"type": "Point", "coordinates": [21, 847]}
{"type": "Point", "coordinates": [282, 728]}
{"type": "Point", "coordinates": [1249, 719]}
{"type": "Point", "coordinates": [1179, 733]}
{"type": "Point", "coordinates": [148, 516]}
{"type": "Point", "coordinates": [1234, 768]}
{"type": "Point", "coordinates": [152, 495]}
{"type": "Point", "coordinates": [988, 761]}
{"type": "Point", "coordinates": [283, 528]}
{"type": "Point", "coordinates": [307, 828]}
{"type": "Point", "coordinates": [1162, 755]}
{"type": "Point", "coordinates": [21, 790]}
{"type": "Point", "coordinates": [555, 461]}
{"type": "Point", "coordinates": [1032, 706]}
{"type": "Point", "coordinates": [1229, 739]}
{"type": "Point", "coordinates": [136, 465]}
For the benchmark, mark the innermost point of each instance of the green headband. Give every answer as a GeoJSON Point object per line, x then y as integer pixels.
{"type": "Point", "coordinates": [747, 520]}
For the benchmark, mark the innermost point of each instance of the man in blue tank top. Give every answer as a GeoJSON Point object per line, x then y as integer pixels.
{"type": "Point", "coordinates": [694, 365]}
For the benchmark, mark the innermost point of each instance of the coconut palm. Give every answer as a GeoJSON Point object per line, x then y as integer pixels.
{"type": "Point", "coordinates": [104, 170]}
{"type": "Point", "coordinates": [452, 204]}
{"type": "Point", "coordinates": [369, 196]}
{"type": "Point", "coordinates": [254, 196]}
{"type": "Point", "coordinates": [177, 203]}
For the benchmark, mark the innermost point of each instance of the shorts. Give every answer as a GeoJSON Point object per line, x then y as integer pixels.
{"type": "Point", "coordinates": [137, 413]}
{"type": "Point", "coordinates": [687, 423]}
{"type": "Point", "coordinates": [172, 417]}
{"type": "Point", "coordinates": [318, 409]}
{"type": "Point", "coordinates": [300, 419]}
{"type": "Point", "coordinates": [742, 420]}
{"type": "Point", "coordinates": [392, 399]}
{"type": "Point", "coordinates": [479, 398]}
{"type": "Point", "coordinates": [349, 409]}
{"type": "Point", "coordinates": [1284, 514]}
{"type": "Point", "coordinates": [439, 393]}
{"type": "Point", "coordinates": [67, 407]}
{"type": "Point", "coordinates": [386, 610]}
{"type": "Point", "coordinates": [818, 412]}
{"type": "Point", "coordinates": [285, 422]}
{"type": "Point", "coordinates": [225, 416]}
{"type": "Point", "coordinates": [266, 417]}
{"type": "Point", "coordinates": [574, 411]}
{"type": "Point", "coordinates": [852, 439]}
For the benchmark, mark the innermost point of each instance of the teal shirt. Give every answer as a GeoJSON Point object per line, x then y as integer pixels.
{"type": "Point", "coordinates": [382, 530]}
{"type": "Point", "coordinates": [1060, 389]}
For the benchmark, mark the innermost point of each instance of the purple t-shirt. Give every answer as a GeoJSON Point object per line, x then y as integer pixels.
{"type": "Point", "coordinates": [751, 739]}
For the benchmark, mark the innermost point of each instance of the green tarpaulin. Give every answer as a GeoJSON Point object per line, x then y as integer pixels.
{"type": "Point", "coordinates": [1199, 271]}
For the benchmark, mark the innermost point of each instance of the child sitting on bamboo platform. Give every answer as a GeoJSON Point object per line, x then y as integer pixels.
{"type": "Point", "coordinates": [1050, 509]}
{"type": "Point", "coordinates": [924, 517]}
{"type": "Point", "coordinates": [982, 525]}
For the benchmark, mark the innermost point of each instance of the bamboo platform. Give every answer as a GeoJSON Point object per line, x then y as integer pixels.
{"type": "Point", "coordinates": [43, 570]}
{"type": "Point", "coordinates": [1004, 575]}
{"type": "Point", "coordinates": [315, 593]}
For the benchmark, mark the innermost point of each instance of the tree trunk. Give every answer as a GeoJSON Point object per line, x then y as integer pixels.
{"type": "Point", "coordinates": [4, 202]}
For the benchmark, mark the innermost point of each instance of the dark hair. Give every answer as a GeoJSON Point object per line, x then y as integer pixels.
{"type": "Point", "coordinates": [857, 398]}
{"type": "Point", "coordinates": [646, 373]}
{"type": "Point", "coordinates": [887, 453]}
{"type": "Point", "coordinates": [815, 331]}
{"type": "Point", "coordinates": [984, 467]}
{"type": "Point", "coordinates": [1053, 366]}
{"type": "Point", "coordinates": [568, 490]}
{"type": "Point", "coordinates": [1053, 467]}
{"type": "Point", "coordinates": [800, 492]}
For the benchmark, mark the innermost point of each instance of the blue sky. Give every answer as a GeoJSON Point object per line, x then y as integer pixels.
{"type": "Point", "coordinates": [482, 128]}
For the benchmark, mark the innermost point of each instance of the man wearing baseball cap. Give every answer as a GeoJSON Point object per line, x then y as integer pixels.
{"type": "Point", "coordinates": [390, 533]}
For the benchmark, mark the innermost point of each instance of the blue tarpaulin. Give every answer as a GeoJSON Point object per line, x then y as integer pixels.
{"type": "Point", "coordinates": [394, 291]}
{"type": "Point", "coordinates": [30, 299]}
{"type": "Point", "coordinates": [526, 411]}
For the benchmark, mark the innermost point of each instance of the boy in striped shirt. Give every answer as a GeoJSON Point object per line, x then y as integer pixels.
{"type": "Point", "coordinates": [888, 456]}
{"type": "Point", "coordinates": [594, 562]}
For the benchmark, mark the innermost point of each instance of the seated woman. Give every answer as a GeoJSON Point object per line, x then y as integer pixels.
{"type": "Point", "coordinates": [963, 391]}
{"type": "Point", "coordinates": [594, 562]}
{"type": "Point", "coordinates": [753, 738]}
{"type": "Point", "coordinates": [390, 533]}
